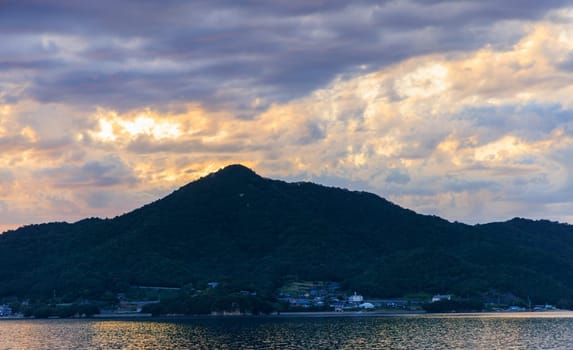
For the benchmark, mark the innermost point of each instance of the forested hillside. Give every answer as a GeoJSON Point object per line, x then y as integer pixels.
{"type": "Point", "coordinates": [258, 234]}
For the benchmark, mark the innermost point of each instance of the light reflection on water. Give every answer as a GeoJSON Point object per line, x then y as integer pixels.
{"type": "Point", "coordinates": [483, 331]}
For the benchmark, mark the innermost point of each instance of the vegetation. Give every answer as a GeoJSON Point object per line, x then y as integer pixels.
{"type": "Point", "coordinates": [257, 234]}
{"type": "Point", "coordinates": [60, 311]}
{"type": "Point", "coordinates": [217, 300]}
{"type": "Point", "coordinates": [472, 305]}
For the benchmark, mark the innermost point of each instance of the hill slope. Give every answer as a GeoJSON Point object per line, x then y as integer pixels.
{"type": "Point", "coordinates": [236, 226]}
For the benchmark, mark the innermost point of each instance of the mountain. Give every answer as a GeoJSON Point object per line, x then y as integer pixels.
{"type": "Point", "coordinates": [237, 227]}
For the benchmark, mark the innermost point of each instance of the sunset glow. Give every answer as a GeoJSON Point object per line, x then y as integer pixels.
{"type": "Point", "coordinates": [459, 110]}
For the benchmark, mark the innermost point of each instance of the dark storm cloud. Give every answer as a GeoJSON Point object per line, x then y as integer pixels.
{"type": "Point", "coordinates": [147, 145]}
{"type": "Point", "coordinates": [123, 90]}
{"type": "Point", "coordinates": [448, 13]}
{"type": "Point", "coordinates": [312, 132]}
{"type": "Point", "coordinates": [492, 122]}
{"type": "Point", "coordinates": [99, 199]}
{"type": "Point", "coordinates": [30, 64]}
{"type": "Point", "coordinates": [398, 177]}
{"type": "Point", "coordinates": [567, 64]}
{"type": "Point", "coordinates": [459, 185]}
{"type": "Point", "coordinates": [147, 52]}
{"type": "Point", "coordinates": [106, 172]}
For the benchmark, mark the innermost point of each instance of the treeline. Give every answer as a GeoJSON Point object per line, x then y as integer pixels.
{"type": "Point", "coordinates": [59, 311]}
{"type": "Point", "coordinates": [472, 305]}
{"type": "Point", "coordinates": [216, 300]}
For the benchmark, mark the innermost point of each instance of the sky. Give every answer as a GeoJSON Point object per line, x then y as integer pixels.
{"type": "Point", "coordinates": [461, 109]}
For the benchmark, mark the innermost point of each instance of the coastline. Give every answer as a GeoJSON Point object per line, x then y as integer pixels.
{"type": "Point", "coordinates": [347, 314]}
{"type": "Point", "coordinates": [319, 314]}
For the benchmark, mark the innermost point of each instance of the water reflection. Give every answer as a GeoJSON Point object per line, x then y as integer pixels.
{"type": "Point", "coordinates": [523, 331]}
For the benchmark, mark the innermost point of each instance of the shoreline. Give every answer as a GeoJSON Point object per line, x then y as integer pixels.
{"type": "Point", "coordinates": [302, 314]}
{"type": "Point", "coordinates": [311, 314]}
{"type": "Point", "coordinates": [347, 314]}
{"type": "Point", "coordinates": [351, 314]}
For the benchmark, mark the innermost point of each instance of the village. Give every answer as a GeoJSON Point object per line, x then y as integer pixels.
{"type": "Point", "coordinates": [328, 296]}
{"type": "Point", "coordinates": [294, 297]}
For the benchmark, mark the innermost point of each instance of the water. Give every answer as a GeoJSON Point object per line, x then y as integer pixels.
{"type": "Point", "coordinates": [481, 331]}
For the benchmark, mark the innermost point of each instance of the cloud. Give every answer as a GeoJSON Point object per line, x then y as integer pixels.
{"type": "Point", "coordinates": [460, 109]}
{"type": "Point", "coordinates": [110, 171]}
{"type": "Point", "coordinates": [162, 52]}
{"type": "Point", "coordinates": [398, 177]}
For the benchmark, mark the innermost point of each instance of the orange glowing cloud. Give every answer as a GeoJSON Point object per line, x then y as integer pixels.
{"type": "Point", "coordinates": [465, 135]}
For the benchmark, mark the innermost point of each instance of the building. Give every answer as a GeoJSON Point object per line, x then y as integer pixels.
{"type": "Point", "coordinates": [5, 310]}
{"type": "Point", "coordinates": [367, 306]}
{"type": "Point", "coordinates": [356, 298]}
{"type": "Point", "coordinates": [441, 297]}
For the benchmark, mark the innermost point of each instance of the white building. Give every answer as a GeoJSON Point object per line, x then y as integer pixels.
{"type": "Point", "coordinates": [441, 297]}
{"type": "Point", "coordinates": [367, 306]}
{"type": "Point", "coordinates": [356, 298]}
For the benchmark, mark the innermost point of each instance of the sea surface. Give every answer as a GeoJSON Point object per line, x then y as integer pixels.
{"type": "Point", "coordinates": [459, 331]}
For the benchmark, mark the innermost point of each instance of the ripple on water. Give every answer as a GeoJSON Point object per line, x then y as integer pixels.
{"type": "Point", "coordinates": [368, 333]}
